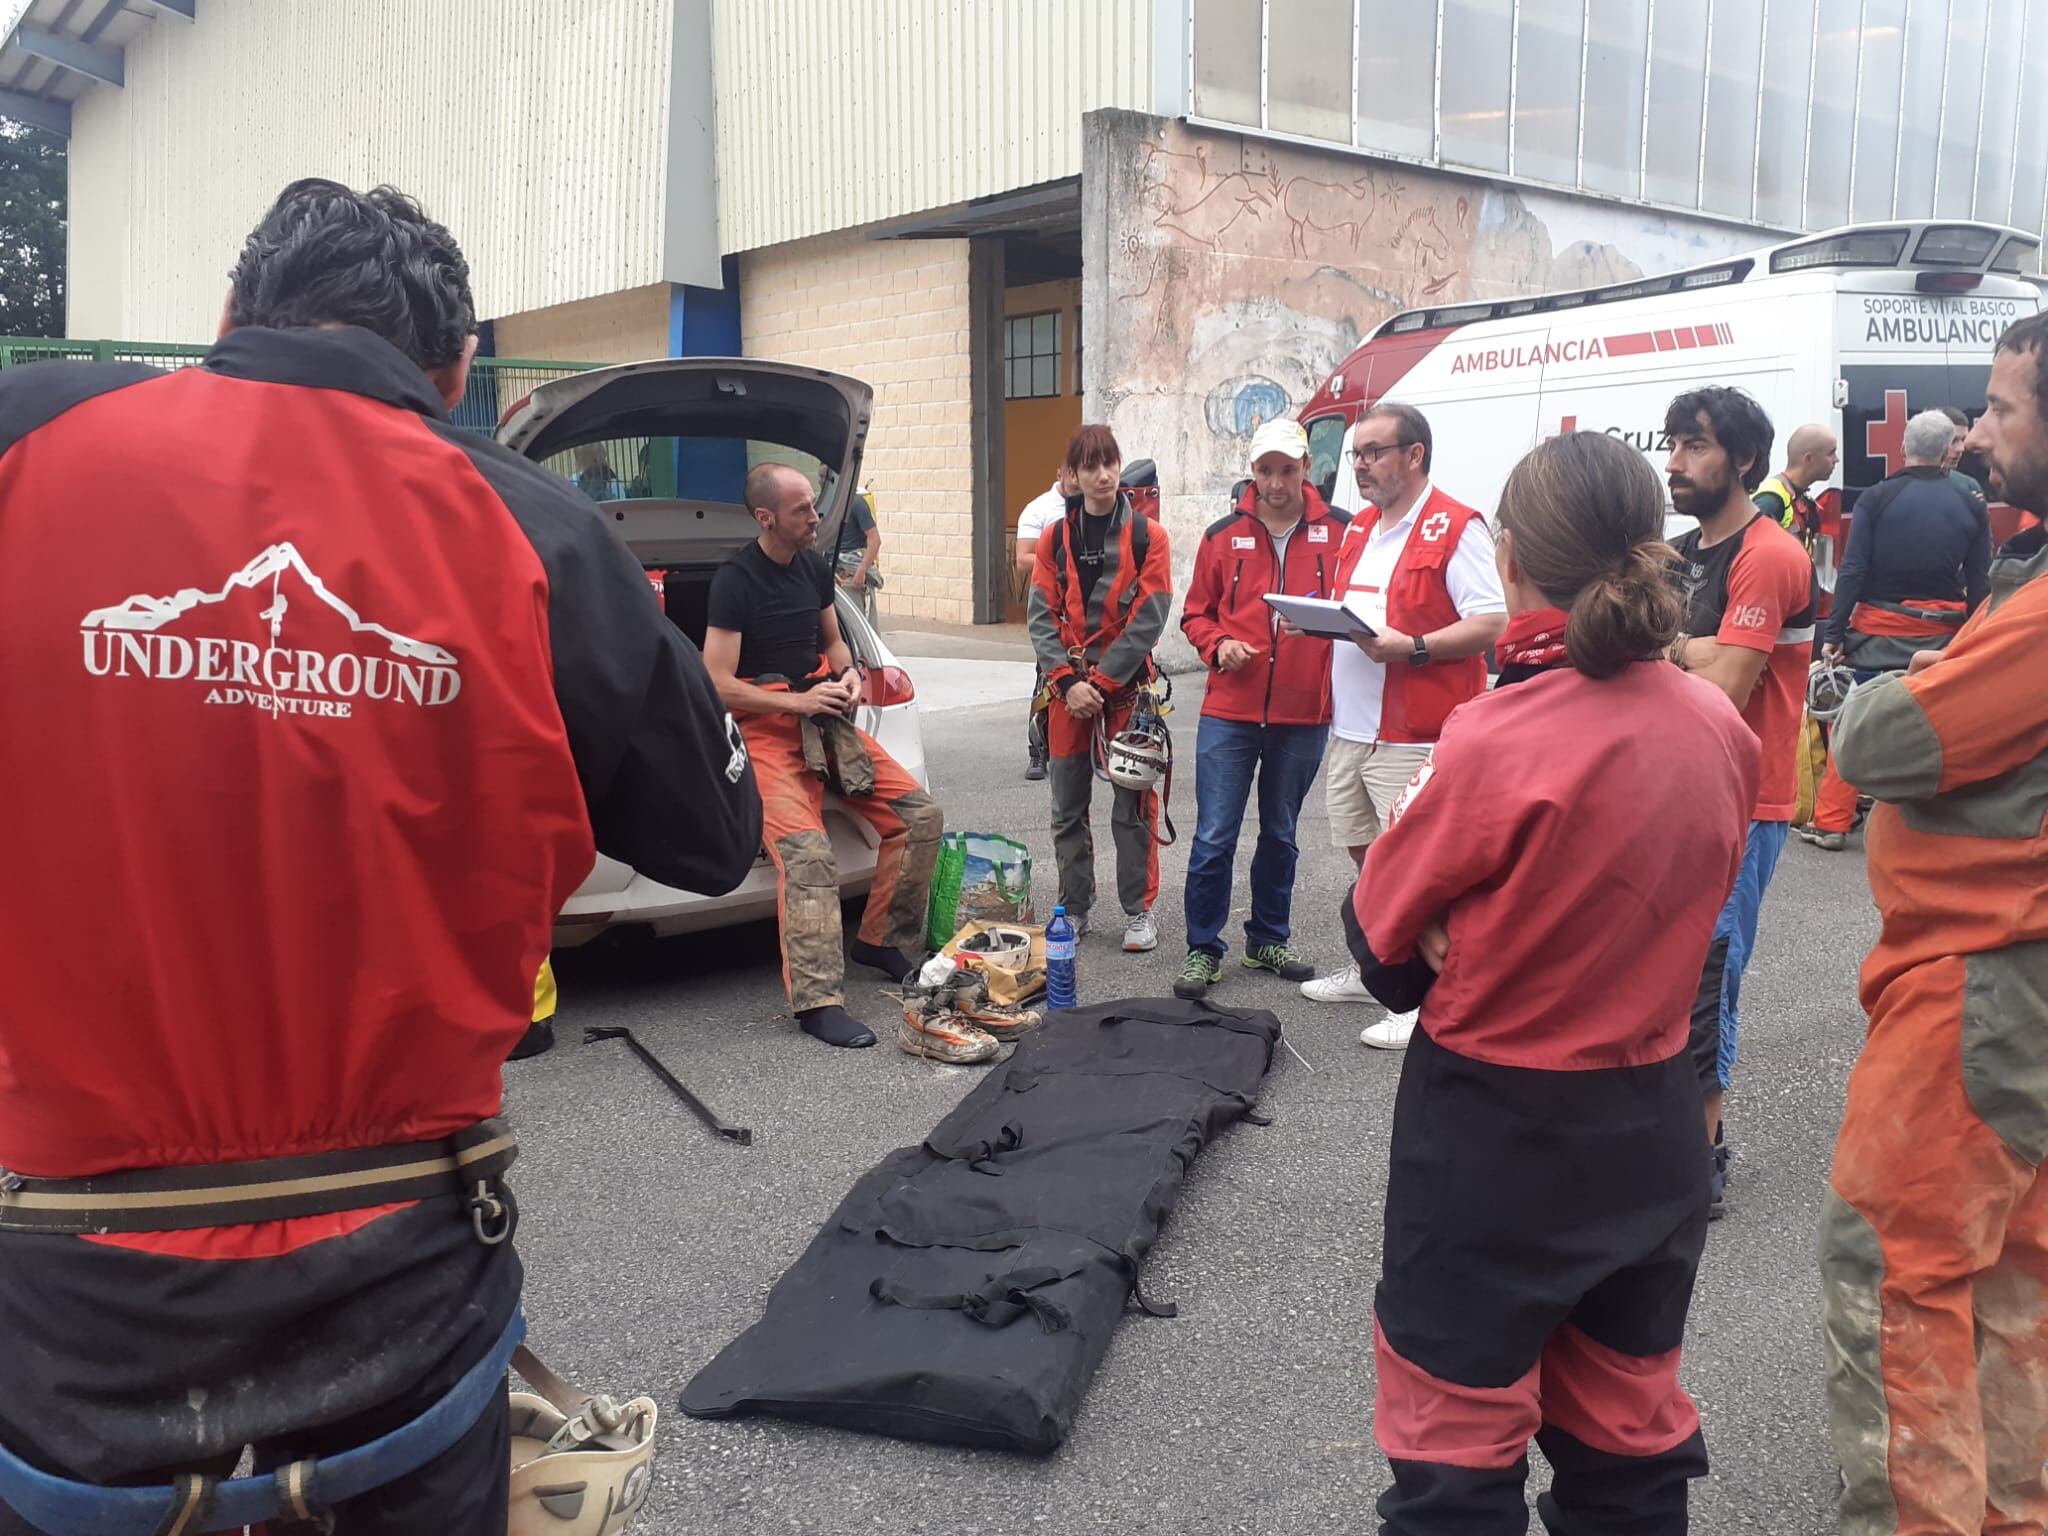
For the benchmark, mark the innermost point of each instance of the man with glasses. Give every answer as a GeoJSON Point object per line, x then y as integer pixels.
{"type": "Point", "coordinates": [1422, 566]}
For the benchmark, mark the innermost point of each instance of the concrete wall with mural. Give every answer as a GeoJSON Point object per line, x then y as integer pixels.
{"type": "Point", "coordinates": [1226, 276]}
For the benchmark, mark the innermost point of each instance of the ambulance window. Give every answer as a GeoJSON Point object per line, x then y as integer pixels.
{"type": "Point", "coordinates": [1325, 452]}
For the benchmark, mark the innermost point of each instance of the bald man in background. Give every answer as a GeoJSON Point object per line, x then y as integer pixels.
{"type": "Point", "coordinates": [1810, 458]}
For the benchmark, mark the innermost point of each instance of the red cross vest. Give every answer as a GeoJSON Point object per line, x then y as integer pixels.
{"type": "Point", "coordinates": [1418, 700]}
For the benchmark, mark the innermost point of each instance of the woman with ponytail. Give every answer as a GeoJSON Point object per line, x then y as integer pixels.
{"type": "Point", "coordinates": [1547, 892]}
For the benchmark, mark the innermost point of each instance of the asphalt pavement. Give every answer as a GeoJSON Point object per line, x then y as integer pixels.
{"type": "Point", "coordinates": [650, 1244]}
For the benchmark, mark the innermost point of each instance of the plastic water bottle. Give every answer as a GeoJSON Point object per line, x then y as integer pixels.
{"type": "Point", "coordinates": [1059, 961]}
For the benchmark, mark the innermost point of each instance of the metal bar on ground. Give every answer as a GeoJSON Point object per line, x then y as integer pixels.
{"type": "Point", "coordinates": [592, 1034]}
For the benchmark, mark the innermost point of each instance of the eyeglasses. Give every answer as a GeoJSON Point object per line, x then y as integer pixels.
{"type": "Point", "coordinates": [1371, 453]}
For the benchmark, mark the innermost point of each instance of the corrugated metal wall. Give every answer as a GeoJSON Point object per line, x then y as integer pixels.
{"type": "Point", "coordinates": [536, 130]}
{"type": "Point", "coordinates": [833, 114]}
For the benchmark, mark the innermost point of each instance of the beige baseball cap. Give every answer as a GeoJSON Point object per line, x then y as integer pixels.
{"type": "Point", "coordinates": [1280, 435]}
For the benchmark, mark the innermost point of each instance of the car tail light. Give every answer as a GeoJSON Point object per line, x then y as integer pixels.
{"type": "Point", "coordinates": [886, 687]}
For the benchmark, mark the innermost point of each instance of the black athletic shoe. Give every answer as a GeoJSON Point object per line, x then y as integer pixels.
{"type": "Point", "coordinates": [1198, 973]}
{"type": "Point", "coordinates": [1283, 960]}
{"type": "Point", "coordinates": [538, 1040]}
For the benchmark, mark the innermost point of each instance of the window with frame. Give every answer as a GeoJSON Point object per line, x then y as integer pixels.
{"type": "Point", "coordinates": [1031, 356]}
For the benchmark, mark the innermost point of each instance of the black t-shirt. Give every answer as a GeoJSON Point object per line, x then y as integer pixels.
{"type": "Point", "coordinates": [1703, 579]}
{"type": "Point", "coordinates": [774, 609]}
{"type": "Point", "coordinates": [1088, 555]}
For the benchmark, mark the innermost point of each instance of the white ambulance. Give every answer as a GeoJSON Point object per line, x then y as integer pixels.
{"type": "Point", "coordinates": [1855, 329]}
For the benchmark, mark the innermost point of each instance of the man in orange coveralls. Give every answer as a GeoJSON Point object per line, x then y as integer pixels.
{"type": "Point", "coordinates": [1934, 1248]}
{"type": "Point", "coordinates": [773, 649]}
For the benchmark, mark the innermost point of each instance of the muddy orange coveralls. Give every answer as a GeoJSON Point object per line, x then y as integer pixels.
{"type": "Point", "coordinates": [1934, 1252]}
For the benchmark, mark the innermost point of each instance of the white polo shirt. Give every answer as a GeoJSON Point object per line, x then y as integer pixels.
{"type": "Point", "coordinates": [1358, 684]}
{"type": "Point", "coordinates": [1041, 512]}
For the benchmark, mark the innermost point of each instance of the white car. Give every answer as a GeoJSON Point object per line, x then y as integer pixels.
{"type": "Point", "coordinates": [622, 433]}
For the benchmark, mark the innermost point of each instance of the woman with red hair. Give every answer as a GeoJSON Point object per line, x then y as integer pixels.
{"type": "Point", "coordinates": [1101, 585]}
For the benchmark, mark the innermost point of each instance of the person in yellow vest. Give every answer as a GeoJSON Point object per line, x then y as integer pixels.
{"type": "Point", "coordinates": [539, 1038]}
{"type": "Point", "coordinates": [1810, 458]}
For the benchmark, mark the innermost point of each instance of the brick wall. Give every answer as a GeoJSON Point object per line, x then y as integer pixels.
{"type": "Point", "coordinates": [893, 313]}
{"type": "Point", "coordinates": [626, 327]}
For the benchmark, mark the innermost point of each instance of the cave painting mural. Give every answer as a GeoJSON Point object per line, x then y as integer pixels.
{"type": "Point", "coordinates": [1243, 272]}
{"type": "Point", "coordinates": [1327, 208]}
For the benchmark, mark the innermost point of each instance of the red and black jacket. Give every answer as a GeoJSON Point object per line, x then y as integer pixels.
{"type": "Point", "coordinates": [1288, 683]}
{"type": "Point", "coordinates": [319, 708]}
{"type": "Point", "coordinates": [1114, 627]}
{"type": "Point", "coordinates": [333, 704]}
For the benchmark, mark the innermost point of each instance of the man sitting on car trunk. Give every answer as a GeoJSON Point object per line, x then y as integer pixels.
{"type": "Point", "coordinates": [773, 648]}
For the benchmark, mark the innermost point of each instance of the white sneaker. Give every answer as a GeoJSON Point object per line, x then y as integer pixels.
{"type": "Point", "coordinates": [1338, 987]}
{"type": "Point", "coordinates": [1140, 934]}
{"type": "Point", "coordinates": [1391, 1033]}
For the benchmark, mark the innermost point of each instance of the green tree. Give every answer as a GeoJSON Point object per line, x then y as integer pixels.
{"type": "Point", "coordinates": [32, 231]}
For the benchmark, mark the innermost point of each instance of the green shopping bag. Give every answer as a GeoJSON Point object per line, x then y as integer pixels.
{"type": "Point", "coordinates": [981, 877]}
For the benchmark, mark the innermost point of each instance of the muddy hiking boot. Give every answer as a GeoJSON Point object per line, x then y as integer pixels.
{"type": "Point", "coordinates": [957, 1022]}
{"type": "Point", "coordinates": [1283, 960]}
{"type": "Point", "coordinates": [1198, 973]}
{"type": "Point", "coordinates": [938, 1035]}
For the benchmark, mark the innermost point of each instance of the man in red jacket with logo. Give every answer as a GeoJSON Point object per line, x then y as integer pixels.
{"type": "Point", "coordinates": [1267, 712]}
{"type": "Point", "coordinates": [1421, 567]}
{"type": "Point", "coordinates": [334, 704]}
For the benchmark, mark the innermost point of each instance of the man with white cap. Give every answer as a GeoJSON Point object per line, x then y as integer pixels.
{"type": "Point", "coordinates": [1266, 714]}
{"type": "Point", "coordinates": [1422, 565]}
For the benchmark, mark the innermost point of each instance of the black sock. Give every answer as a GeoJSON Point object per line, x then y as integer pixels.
{"type": "Point", "coordinates": [835, 1026]}
{"type": "Point", "coordinates": [889, 962]}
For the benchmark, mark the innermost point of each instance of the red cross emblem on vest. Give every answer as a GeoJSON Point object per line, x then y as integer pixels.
{"type": "Point", "coordinates": [1435, 526]}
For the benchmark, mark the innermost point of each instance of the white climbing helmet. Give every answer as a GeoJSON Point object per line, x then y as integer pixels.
{"type": "Point", "coordinates": [1137, 759]}
{"type": "Point", "coordinates": [1004, 947]}
{"type": "Point", "coordinates": [585, 1473]}
{"type": "Point", "coordinates": [1827, 689]}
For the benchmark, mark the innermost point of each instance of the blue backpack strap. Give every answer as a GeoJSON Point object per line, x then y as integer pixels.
{"type": "Point", "coordinates": [193, 1504]}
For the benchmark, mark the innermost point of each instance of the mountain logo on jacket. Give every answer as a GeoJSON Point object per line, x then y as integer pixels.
{"type": "Point", "coordinates": [258, 643]}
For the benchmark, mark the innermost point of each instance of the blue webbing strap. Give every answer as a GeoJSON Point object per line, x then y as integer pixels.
{"type": "Point", "coordinates": [59, 1505]}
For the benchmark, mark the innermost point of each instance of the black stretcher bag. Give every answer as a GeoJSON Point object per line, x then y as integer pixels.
{"type": "Point", "coordinates": [966, 1289]}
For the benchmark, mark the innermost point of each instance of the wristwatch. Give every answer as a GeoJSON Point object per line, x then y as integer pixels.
{"type": "Point", "coordinates": [1419, 657]}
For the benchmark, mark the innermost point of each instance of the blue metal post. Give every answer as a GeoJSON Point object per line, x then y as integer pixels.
{"type": "Point", "coordinates": [705, 322]}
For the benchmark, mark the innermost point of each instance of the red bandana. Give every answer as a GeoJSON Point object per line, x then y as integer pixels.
{"type": "Point", "coordinates": [1534, 638]}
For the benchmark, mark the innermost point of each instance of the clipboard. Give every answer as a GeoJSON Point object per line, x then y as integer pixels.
{"type": "Point", "coordinates": [1324, 616]}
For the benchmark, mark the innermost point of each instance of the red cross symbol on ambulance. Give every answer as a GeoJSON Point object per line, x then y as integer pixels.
{"type": "Point", "coordinates": [1886, 439]}
{"type": "Point", "coordinates": [1435, 526]}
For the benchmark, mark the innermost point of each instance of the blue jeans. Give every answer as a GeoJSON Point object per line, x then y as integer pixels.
{"type": "Point", "coordinates": [1228, 754]}
{"type": "Point", "coordinates": [1714, 1022]}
